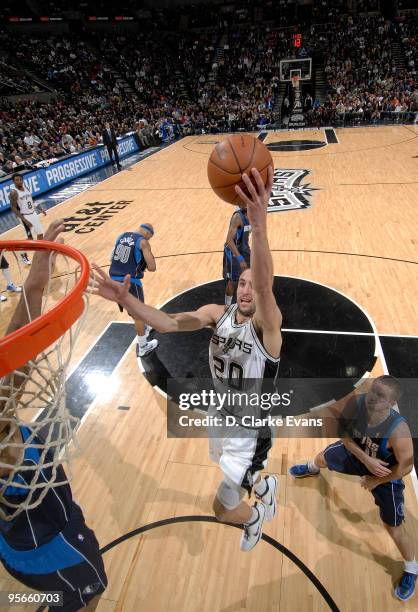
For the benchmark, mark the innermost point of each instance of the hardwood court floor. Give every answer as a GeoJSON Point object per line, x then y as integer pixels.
{"type": "Point", "coordinates": [359, 237]}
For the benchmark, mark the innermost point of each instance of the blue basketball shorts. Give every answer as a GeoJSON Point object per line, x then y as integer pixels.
{"type": "Point", "coordinates": [389, 497]}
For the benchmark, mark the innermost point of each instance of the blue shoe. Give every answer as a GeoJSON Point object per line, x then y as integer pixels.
{"type": "Point", "coordinates": [301, 471]}
{"type": "Point", "coordinates": [406, 586]}
{"type": "Point", "coordinates": [14, 288]}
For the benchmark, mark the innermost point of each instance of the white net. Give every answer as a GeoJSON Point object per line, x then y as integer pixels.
{"type": "Point", "coordinates": [36, 428]}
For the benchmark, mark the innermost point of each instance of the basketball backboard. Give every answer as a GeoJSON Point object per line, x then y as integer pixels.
{"type": "Point", "coordinates": [296, 67]}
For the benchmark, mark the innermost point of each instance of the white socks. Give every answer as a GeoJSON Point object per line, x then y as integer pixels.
{"type": "Point", "coordinates": [411, 567]}
{"type": "Point", "coordinates": [7, 276]}
{"type": "Point", "coordinates": [228, 299]}
{"type": "Point", "coordinates": [142, 341]}
{"type": "Point", "coordinates": [312, 467]}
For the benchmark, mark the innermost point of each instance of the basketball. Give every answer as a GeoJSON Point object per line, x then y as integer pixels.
{"type": "Point", "coordinates": [230, 159]}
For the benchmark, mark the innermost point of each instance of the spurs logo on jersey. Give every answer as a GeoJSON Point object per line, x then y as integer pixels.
{"type": "Point", "coordinates": [24, 201]}
{"type": "Point", "coordinates": [229, 343]}
{"type": "Point", "coordinates": [237, 356]}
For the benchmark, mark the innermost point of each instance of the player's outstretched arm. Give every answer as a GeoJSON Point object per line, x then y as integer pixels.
{"type": "Point", "coordinates": [161, 321]}
{"type": "Point", "coordinates": [268, 316]}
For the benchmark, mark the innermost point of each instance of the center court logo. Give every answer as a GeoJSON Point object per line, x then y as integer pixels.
{"type": "Point", "coordinates": [288, 193]}
{"type": "Point", "coordinates": [95, 214]}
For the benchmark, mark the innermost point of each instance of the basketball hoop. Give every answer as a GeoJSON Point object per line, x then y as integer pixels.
{"type": "Point", "coordinates": [21, 345]}
{"type": "Point", "coordinates": [33, 366]}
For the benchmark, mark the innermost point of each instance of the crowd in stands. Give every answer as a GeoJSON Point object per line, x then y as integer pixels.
{"type": "Point", "coordinates": [34, 132]}
{"type": "Point", "coordinates": [163, 85]}
{"type": "Point", "coordinates": [12, 81]}
{"type": "Point", "coordinates": [363, 78]}
{"type": "Point", "coordinates": [408, 32]}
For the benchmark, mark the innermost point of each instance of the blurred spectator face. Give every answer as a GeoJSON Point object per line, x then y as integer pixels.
{"type": "Point", "coordinates": [8, 166]}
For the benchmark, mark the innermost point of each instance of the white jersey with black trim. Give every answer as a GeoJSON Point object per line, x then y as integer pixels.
{"type": "Point", "coordinates": [24, 201]}
{"type": "Point", "coordinates": [237, 353]}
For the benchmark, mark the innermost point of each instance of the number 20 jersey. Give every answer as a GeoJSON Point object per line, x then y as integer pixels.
{"type": "Point", "coordinates": [236, 353]}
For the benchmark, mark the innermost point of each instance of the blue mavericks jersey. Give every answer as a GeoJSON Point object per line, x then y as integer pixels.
{"type": "Point", "coordinates": [374, 440]}
{"type": "Point", "coordinates": [38, 525]}
{"type": "Point", "coordinates": [242, 237]}
{"type": "Point", "coordinates": [49, 537]}
{"type": "Point", "coordinates": [127, 258]}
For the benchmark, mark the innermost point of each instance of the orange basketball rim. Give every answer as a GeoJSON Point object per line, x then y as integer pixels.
{"type": "Point", "coordinates": [22, 345]}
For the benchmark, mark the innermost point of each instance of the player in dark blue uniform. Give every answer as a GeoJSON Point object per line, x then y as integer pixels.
{"type": "Point", "coordinates": [47, 547]}
{"type": "Point", "coordinates": [50, 547]}
{"type": "Point", "coordinates": [376, 445]}
{"type": "Point", "coordinates": [132, 255]}
{"type": "Point", "coordinates": [236, 251]}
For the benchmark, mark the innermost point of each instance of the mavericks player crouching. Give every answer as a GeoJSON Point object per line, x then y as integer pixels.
{"type": "Point", "coordinates": [375, 445]}
{"type": "Point", "coordinates": [254, 320]}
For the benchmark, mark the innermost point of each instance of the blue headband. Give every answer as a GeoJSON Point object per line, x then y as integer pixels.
{"type": "Point", "coordinates": [148, 228]}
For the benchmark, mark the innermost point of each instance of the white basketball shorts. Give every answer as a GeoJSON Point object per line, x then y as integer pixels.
{"type": "Point", "coordinates": [35, 221]}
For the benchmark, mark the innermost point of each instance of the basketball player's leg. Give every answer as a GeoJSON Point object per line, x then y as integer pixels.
{"type": "Point", "coordinates": [81, 584]}
{"type": "Point", "coordinates": [227, 274]}
{"type": "Point", "coordinates": [231, 274]}
{"type": "Point", "coordinates": [116, 154]}
{"type": "Point", "coordinates": [143, 345]}
{"type": "Point", "coordinates": [334, 457]}
{"type": "Point", "coordinates": [24, 256]}
{"type": "Point", "coordinates": [10, 286]}
{"type": "Point", "coordinates": [389, 498]}
{"type": "Point", "coordinates": [36, 229]}
{"type": "Point", "coordinates": [240, 460]}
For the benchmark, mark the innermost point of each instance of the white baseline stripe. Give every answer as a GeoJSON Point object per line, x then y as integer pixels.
{"type": "Point", "coordinates": [326, 331]}
{"type": "Point", "coordinates": [385, 368]}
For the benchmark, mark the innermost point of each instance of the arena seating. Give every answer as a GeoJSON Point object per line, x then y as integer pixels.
{"type": "Point", "coordinates": [224, 77]}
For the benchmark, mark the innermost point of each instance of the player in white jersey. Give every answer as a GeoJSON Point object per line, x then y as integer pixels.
{"type": "Point", "coordinates": [246, 343]}
{"type": "Point", "coordinates": [23, 207]}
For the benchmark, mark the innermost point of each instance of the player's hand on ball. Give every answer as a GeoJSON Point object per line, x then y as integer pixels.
{"type": "Point", "coordinates": [258, 198]}
{"type": "Point", "coordinates": [377, 467]}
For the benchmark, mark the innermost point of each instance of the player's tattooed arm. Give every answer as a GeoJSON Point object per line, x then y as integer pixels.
{"type": "Point", "coordinates": [13, 204]}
